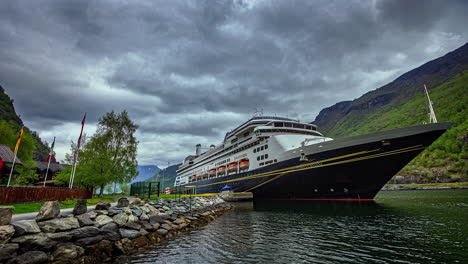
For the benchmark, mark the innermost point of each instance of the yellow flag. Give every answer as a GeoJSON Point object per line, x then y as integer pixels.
{"type": "Point", "coordinates": [19, 140]}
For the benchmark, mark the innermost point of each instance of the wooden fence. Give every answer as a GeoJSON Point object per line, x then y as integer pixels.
{"type": "Point", "coordinates": [12, 195]}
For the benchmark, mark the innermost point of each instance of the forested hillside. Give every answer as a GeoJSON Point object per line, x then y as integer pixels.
{"type": "Point", "coordinates": [403, 103]}
{"type": "Point", "coordinates": [31, 148]}
{"type": "Point", "coordinates": [166, 176]}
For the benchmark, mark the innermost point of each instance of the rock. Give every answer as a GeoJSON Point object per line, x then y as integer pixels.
{"type": "Point", "coordinates": [60, 236]}
{"type": "Point", "coordinates": [101, 205]}
{"type": "Point", "coordinates": [8, 251]}
{"type": "Point", "coordinates": [80, 207]}
{"type": "Point", "coordinates": [151, 210]}
{"type": "Point", "coordinates": [182, 225]}
{"type": "Point", "coordinates": [6, 212]}
{"type": "Point", "coordinates": [26, 227]}
{"type": "Point", "coordinates": [144, 217]}
{"type": "Point", "coordinates": [136, 201]}
{"type": "Point", "coordinates": [123, 202]}
{"type": "Point", "coordinates": [146, 225]}
{"type": "Point", "coordinates": [101, 212]}
{"type": "Point", "coordinates": [128, 233]}
{"type": "Point", "coordinates": [162, 231]}
{"type": "Point", "coordinates": [207, 213]}
{"type": "Point", "coordinates": [156, 226]}
{"type": "Point", "coordinates": [49, 210]}
{"type": "Point", "coordinates": [102, 220]}
{"type": "Point", "coordinates": [133, 225]}
{"type": "Point", "coordinates": [89, 240]}
{"type": "Point", "coordinates": [143, 232]}
{"type": "Point", "coordinates": [32, 257]}
{"type": "Point", "coordinates": [121, 219]}
{"type": "Point", "coordinates": [114, 211]}
{"type": "Point", "coordinates": [110, 231]}
{"type": "Point", "coordinates": [6, 232]}
{"type": "Point", "coordinates": [164, 216]}
{"type": "Point", "coordinates": [132, 218]}
{"type": "Point", "coordinates": [92, 214]}
{"type": "Point", "coordinates": [67, 252]}
{"type": "Point", "coordinates": [127, 210]}
{"type": "Point", "coordinates": [166, 226]}
{"type": "Point", "coordinates": [136, 211]}
{"type": "Point", "coordinates": [166, 208]}
{"type": "Point", "coordinates": [84, 220]}
{"type": "Point", "coordinates": [179, 221]}
{"type": "Point", "coordinates": [87, 231]}
{"type": "Point", "coordinates": [156, 219]}
{"type": "Point", "coordinates": [59, 224]}
{"type": "Point", "coordinates": [36, 241]}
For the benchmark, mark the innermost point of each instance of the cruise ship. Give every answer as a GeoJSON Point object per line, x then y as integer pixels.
{"type": "Point", "coordinates": [283, 158]}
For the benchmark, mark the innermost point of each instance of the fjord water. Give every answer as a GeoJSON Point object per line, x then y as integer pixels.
{"type": "Point", "coordinates": [399, 227]}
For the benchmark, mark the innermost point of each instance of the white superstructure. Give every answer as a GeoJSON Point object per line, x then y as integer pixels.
{"type": "Point", "coordinates": [261, 141]}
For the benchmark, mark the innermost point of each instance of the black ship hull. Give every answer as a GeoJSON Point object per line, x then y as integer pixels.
{"type": "Point", "coordinates": [353, 168]}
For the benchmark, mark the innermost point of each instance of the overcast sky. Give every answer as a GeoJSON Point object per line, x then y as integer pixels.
{"type": "Point", "coordinates": [189, 71]}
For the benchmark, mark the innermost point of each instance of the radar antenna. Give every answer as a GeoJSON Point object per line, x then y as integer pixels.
{"type": "Point", "coordinates": [432, 116]}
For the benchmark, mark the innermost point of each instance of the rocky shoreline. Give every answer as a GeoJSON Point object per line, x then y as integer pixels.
{"type": "Point", "coordinates": [101, 235]}
{"type": "Point", "coordinates": [411, 188]}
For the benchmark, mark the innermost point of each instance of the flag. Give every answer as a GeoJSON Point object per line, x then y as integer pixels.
{"type": "Point", "coordinates": [51, 153]}
{"type": "Point", "coordinates": [18, 141]}
{"type": "Point", "coordinates": [79, 140]}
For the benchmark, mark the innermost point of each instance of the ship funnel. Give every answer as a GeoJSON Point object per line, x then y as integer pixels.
{"type": "Point", "coordinates": [212, 147]}
{"type": "Point", "coordinates": [198, 149]}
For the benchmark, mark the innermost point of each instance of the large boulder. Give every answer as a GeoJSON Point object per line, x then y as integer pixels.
{"type": "Point", "coordinates": [156, 219]}
{"type": "Point", "coordinates": [122, 202]}
{"type": "Point", "coordinates": [110, 232]}
{"type": "Point", "coordinates": [49, 210]}
{"type": "Point", "coordinates": [121, 219]}
{"type": "Point", "coordinates": [5, 215]}
{"type": "Point", "coordinates": [136, 201]}
{"type": "Point", "coordinates": [87, 231]}
{"type": "Point", "coordinates": [67, 252]}
{"type": "Point", "coordinates": [32, 257]}
{"type": "Point", "coordinates": [84, 220]}
{"type": "Point", "coordinates": [26, 227]}
{"type": "Point", "coordinates": [89, 240]}
{"type": "Point", "coordinates": [101, 205]}
{"type": "Point", "coordinates": [35, 241]}
{"type": "Point", "coordinates": [6, 232]}
{"type": "Point", "coordinates": [80, 207]}
{"type": "Point", "coordinates": [8, 251]}
{"type": "Point", "coordinates": [59, 224]}
{"type": "Point", "coordinates": [102, 220]}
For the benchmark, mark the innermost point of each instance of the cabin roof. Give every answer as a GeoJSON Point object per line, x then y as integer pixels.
{"type": "Point", "coordinates": [7, 155]}
{"type": "Point", "coordinates": [54, 167]}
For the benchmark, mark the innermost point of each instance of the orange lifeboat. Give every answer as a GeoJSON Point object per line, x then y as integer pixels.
{"type": "Point", "coordinates": [222, 170]}
{"type": "Point", "coordinates": [212, 173]}
{"type": "Point", "coordinates": [244, 165]}
{"type": "Point", "coordinates": [233, 167]}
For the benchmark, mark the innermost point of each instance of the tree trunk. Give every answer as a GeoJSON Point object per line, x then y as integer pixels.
{"type": "Point", "coordinates": [101, 191]}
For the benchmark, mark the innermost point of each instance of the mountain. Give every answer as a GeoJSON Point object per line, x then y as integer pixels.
{"type": "Point", "coordinates": [402, 103]}
{"type": "Point", "coordinates": [166, 176]}
{"type": "Point", "coordinates": [13, 120]}
{"type": "Point", "coordinates": [145, 172]}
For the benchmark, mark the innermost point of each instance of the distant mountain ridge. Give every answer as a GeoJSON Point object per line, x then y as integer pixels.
{"type": "Point", "coordinates": [166, 176]}
{"type": "Point", "coordinates": [145, 172]}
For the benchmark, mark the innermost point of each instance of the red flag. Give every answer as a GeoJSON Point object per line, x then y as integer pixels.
{"type": "Point", "coordinates": [1, 163]}
{"type": "Point", "coordinates": [79, 140]}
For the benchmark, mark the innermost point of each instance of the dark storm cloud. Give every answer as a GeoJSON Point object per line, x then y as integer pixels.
{"type": "Point", "coordinates": [189, 71]}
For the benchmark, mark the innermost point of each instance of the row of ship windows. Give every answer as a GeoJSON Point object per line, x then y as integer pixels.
{"type": "Point", "coordinates": [262, 157]}
{"type": "Point", "coordinates": [260, 148]}
{"type": "Point", "coordinates": [222, 162]}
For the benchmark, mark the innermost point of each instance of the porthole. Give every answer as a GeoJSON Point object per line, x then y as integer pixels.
{"type": "Point", "coordinates": [261, 148]}
{"type": "Point", "coordinates": [266, 146]}
{"type": "Point", "coordinates": [255, 150]}
{"type": "Point", "coordinates": [266, 156]}
{"type": "Point", "coordinates": [258, 158]}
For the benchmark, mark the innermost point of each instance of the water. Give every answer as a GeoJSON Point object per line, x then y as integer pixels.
{"type": "Point", "coordinates": [399, 227]}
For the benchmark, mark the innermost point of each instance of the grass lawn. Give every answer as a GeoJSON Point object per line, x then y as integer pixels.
{"type": "Point", "coordinates": [449, 184]}
{"type": "Point", "coordinates": [34, 207]}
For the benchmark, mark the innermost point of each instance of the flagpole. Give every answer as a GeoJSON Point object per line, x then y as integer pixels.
{"type": "Point", "coordinates": [11, 171]}
{"type": "Point", "coordinates": [47, 172]}
{"type": "Point", "coordinates": [73, 172]}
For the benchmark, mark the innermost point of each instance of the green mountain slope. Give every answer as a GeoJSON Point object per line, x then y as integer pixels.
{"type": "Point", "coordinates": [166, 176]}
{"type": "Point", "coordinates": [446, 160]}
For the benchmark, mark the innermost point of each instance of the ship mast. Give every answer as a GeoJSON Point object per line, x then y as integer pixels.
{"type": "Point", "coordinates": [432, 116]}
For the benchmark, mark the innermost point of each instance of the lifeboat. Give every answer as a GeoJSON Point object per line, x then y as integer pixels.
{"type": "Point", "coordinates": [233, 167]}
{"type": "Point", "coordinates": [222, 170]}
{"type": "Point", "coordinates": [212, 173]}
{"type": "Point", "coordinates": [204, 174]}
{"type": "Point", "coordinates": [244, 165]}
{"type": "Point", "coordinates": [193, 178]}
